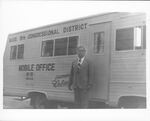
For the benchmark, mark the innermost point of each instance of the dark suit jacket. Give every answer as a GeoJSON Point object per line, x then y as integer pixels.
{"type": "Point", "coordinates": [80, 75]}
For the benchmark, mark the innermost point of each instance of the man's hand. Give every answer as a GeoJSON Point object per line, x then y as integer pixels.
{"type": "Point", "coordinates": [89, 86]}
{"type": "Point", "coordinates": [69, 87]}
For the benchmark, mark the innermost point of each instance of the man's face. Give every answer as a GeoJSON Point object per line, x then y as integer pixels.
{"type": "Point", "coordinates": [81, 52]}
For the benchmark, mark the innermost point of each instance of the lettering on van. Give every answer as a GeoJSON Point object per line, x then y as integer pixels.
{"type": "Point", "coordinates": [43, 33]}
{"type": "Point", "coordinates": [13, 39]}
{"type": "Point", "coordinates": [76, 27]}
{"type": "Point", "coordinates": [29, 75]}
{"type": "Point", "coordinates": [65, 29]}
{"type": "Point", "coordinates": [22, 37]}
{"type": "Point", "coordinates": [37, 67]}
{"type": "Point", "coordinates": [61, 81]}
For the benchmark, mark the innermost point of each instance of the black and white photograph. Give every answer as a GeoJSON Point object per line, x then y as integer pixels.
{"type": "Point", "coordinates": [74, 57]}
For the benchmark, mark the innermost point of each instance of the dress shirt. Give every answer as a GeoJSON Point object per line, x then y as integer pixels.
{"type": "Point", "coordinates": [80, 62]}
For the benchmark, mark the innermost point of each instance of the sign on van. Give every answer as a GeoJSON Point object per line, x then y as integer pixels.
{"type": "Point", "coordinates": [71, 28]}
{"type": "Point", "coordinates": [49, 32]}
{"type": "Point", "coordinates": [37, 67]}
{"type": "Point", "coordinates": [61, 81]}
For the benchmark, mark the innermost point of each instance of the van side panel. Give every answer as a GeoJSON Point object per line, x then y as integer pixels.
{"type": "Point", "coordinates": [115, 73]}
{"type": "Point", "coordinates": [53, 82]}
{"type": "Point", "coordinates": [128, 68]}
{"type": "Point", "coordinates": [100, 60]}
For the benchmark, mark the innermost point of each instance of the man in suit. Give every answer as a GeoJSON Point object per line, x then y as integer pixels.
{"type": "Point", "coordinates": [79, 79]}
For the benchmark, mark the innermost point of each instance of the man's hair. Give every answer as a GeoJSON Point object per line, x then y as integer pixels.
{"type": "Point", "coordinates": [81, 48]}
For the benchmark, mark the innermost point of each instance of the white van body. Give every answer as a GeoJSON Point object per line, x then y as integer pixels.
{"type": "Point", "coordinates": [118, 70]}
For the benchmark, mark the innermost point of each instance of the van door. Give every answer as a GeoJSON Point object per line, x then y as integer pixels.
{"type": "Point", "coordinates": [99, 56]}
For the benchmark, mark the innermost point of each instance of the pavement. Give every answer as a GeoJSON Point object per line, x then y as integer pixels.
{"type": "Point", "coordinates": [15, 103]}
{"type": "Point", "coordinates": [10, 102]}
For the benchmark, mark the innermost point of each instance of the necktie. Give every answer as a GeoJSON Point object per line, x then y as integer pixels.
{"type": "Point", "coordinates": [79, 63]}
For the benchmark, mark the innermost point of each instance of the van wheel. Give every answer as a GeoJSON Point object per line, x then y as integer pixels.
{"type": "Point", "coordinates": [38, 102]}
{"type": "Point", "coordinates": [132, 102]}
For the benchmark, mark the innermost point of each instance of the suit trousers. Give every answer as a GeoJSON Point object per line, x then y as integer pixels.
{"type": "Point", "coordinates": [81, 97]}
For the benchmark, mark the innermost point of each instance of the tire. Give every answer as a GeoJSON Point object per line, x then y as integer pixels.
{"type": "Point", "coordinates": [132, 102]}
{"type": "Point", "coordinates": [38, 102]}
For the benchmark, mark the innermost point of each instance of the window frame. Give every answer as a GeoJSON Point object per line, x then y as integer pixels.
{"type": "Point", "coordinates": [55, 46]}
{"type": "Point", "coordinates": [16, 58]}
{"type": "Point", "coordinates": [68, 44]}
{"type": "Point", "coordinates": [42, 47]}
{"type": "Point", "coordinates": [100, 53]}
{"type": "Point", "coordinates": [18, 51]}
{"type": "Point", "coordinates": [10, 52]}
{"type": "Point", "coordinates": [54, 42]}
{"type": "Point", "coordinates": [134, 47]}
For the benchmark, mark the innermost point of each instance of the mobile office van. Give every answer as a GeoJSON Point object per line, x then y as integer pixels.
{"type": "Point", "coordinates": [37, 62]}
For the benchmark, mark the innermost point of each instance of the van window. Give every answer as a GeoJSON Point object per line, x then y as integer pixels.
{"type": "Point", "coordinates": [124, 39]}
{"type": "Point", "coordinates": [138, 37]}
{"type": "Point", "coordinates": [61, 46]}
{"type": "Point", "coordinates": [73, 42]}
{"type": "Point", "coordinates": [47, 48]}
{"type": "Point", "coordinates": [131, 38]}
{"type": "Point", "coordinates": [98, 42]}
{"type": "Point", "coordinates": [20, 51]}
{"type": "Point", "coordinates": [13, 52]}
{"type": "Point", "coordinates": [144, 37]}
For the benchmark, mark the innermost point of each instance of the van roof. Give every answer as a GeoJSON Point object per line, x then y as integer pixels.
{"type": "Point", "coordinates": [103, 14]}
